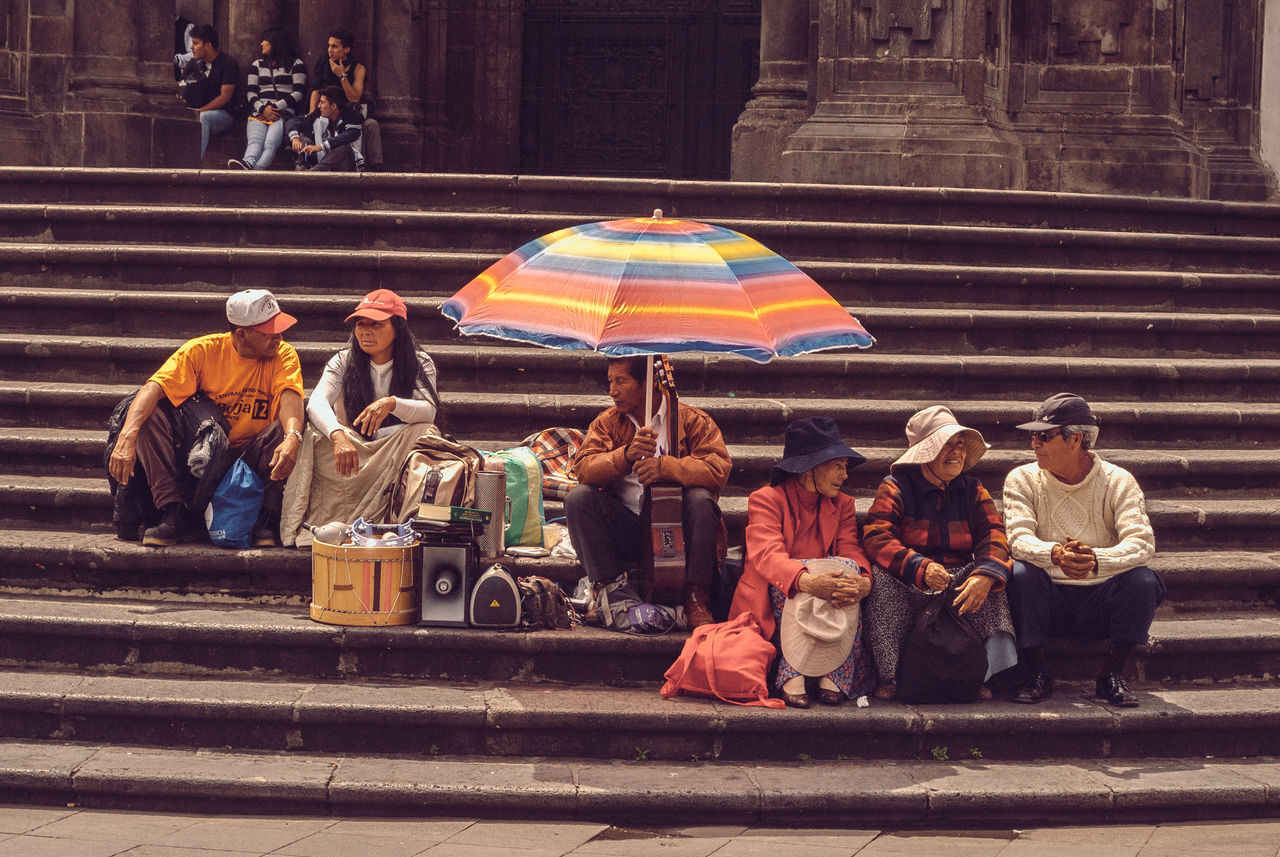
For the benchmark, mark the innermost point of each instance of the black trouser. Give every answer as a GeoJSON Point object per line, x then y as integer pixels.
{"type": "Point", "coordinates": [1119, 609]}
{"type": "Point", "coordinates": [608, 536]}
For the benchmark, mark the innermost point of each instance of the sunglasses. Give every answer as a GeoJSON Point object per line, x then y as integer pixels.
{"type": "Point", "coordinates": [1046, 436]}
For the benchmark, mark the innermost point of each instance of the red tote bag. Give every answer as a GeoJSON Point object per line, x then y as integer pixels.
{"type": "Point", "coordinates": [728, 661]}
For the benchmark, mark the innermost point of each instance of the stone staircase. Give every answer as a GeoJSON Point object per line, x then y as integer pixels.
{"type": "Point", "coordinates": [202, 663]}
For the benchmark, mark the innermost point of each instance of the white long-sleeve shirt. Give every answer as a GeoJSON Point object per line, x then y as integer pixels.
{"type": "Point", "coordinates": [1106, 511]}
{"type": "Point", "coordinates": [320, 411]}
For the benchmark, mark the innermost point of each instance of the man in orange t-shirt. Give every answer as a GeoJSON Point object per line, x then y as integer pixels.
{"type": "Point", "coordinates": [254, 378]}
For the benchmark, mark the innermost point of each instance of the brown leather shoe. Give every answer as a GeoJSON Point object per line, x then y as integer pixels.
{"type": "Point", "coordinates": [887, 691]}
{"type": "Point", "coordinates": [695, 606]}
{"type": "Point", "coordinates": [795, 700]}
{"type": "Point", "coordinates": [827, 696]}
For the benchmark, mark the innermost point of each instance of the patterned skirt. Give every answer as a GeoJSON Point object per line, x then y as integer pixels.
{"type": "Point", "coordinates": [890, 611]}
{"type": "Point", "coordinates": [855, 677]}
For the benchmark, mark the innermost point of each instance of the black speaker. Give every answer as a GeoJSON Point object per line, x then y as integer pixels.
{"type": "Point", "coordinates": [447, 573]}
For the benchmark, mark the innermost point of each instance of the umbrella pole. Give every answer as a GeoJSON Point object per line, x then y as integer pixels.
{"type": "Point", "coordinates": [648, 394]}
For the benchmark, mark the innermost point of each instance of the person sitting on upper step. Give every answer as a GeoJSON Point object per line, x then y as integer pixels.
{"type": "Point", "coordinates": [347, 465]}
{"type": "Point", "coordinates": [337, 69]}
{"type": "Point", "coordinates": [333, 145]}
{"type": "Point", "coordinates": [1080, 537]}
{"type": "Point", "coordinates": [620, 456]}
{"type": "Point", "coordinates": [209, 85]}
{"type": "Point", "coordinates": [255, 380]}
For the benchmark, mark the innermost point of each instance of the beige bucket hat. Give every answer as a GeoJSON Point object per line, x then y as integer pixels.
{"type": "Point", "coordinates": [928, 432]}
{"type": "Point", "coordinates": [816, 636]}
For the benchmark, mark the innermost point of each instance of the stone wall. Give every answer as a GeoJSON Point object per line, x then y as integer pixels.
{"type": "Point", "coordinates": [1157, 97]}
{"type": "Point", "coordinates": [1270, 110]}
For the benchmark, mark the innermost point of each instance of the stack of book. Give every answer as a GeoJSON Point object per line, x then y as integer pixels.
{"type": "Point", "coordinates": [440, 524]}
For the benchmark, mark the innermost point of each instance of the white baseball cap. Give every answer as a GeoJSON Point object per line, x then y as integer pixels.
{"type": "Point", "coordinates": [257, 308]}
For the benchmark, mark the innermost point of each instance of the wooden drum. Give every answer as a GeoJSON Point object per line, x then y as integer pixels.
{"type": "Point", "coordinates": [363, 585]}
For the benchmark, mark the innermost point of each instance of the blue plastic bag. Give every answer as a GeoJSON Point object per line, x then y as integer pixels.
{"type": "Point", "coordinates": [234, 507]}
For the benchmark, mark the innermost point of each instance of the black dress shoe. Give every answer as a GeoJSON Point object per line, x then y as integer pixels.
{"type": "Point", "coordinates": [1039, 687]}
{"type": "Point", "coordinates": [1112, 688]}
{"type": "Point", "coordinates": [827, 696]}
{"type": "Point", "coordinates": [795, 700]}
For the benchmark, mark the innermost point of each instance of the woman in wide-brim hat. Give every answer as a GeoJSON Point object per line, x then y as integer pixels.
{"type": "Point", "coordinates": [932, 521]}
{"type": "Point", "coordinates": [805, 574]}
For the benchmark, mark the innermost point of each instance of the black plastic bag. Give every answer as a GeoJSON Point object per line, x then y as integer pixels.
{"type": "Point", "coordinates": [944, 659]}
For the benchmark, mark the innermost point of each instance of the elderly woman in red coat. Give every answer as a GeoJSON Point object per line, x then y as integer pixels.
{"type": "Point", "coordinates": [803, 515]}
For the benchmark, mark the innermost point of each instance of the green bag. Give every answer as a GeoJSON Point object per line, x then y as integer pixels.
{"type": "Point", "coordinates": [524, 493]}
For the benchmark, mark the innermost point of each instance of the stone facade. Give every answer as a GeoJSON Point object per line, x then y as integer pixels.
{"type": "Point", "coordinates": [1132, 96]}
{"type": "Point", "coordinates": [1072, 95]}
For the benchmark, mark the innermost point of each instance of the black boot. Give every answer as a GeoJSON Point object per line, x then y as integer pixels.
{"type": "Point", "coordinates": [165, 533]}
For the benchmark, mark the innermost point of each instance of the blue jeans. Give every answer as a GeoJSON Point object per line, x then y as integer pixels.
{"type": "Point", "coordinates": [213, 122]}
{"type": "Point", "coordinates": [262, 141]}
{"type": "Point", "coordinates": [1119, 609]}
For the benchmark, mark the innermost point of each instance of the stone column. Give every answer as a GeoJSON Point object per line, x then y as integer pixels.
{"type": "Point", "coordinates": [904, 97]}
{"type": "Point", "coordinates": [105, 122]}
{"type": "Point", "coordinates": [1222, 94]}
{"type": "Point", "coordinates": [398, 61]}
{"type": "Point", "coordinates": [1269, 112]}
{"type": "Point", "coordinates": [1095, 95]}
{"type": "Point", "coordinates": [780, 99]}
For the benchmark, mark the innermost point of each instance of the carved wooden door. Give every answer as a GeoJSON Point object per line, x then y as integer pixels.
{"type": "Point", "coordinates": [634, 88]}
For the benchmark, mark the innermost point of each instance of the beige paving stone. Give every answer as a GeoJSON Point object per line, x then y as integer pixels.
{"type": "Point", "coordinates": [645, 844]}
{"type": "Point", "coordinates": [27, 845]}
{"type": "Point", "coordinates": [173, 851]}
{"type": "Point", "coordinates": [426, 828]}
{"type": "Point", "coordinates": [462, 849]}
{"type": "Point", "coordinates": [741, 847]}
{"type": "Point", "coordinates": [834, 838]}
{"type": "Point", "coordinates": [21, 819]}
{"type": "Point", "coordinates": [1236, 839]}
{"type": "Point", "coordinates": [938, 843]}
{"type": "Point", "coordinates": [1029, 848]}
{"type": "Point", "coordinates": [241, 833]}
{"type": "Point", "coordinates": [329, 844]}
{"type": "Point", "coordinates": [1118, 834]}
{"type": "Point", "coordinates": [118, 826]}
{"type": "Point", "coordinates": [548, 835]}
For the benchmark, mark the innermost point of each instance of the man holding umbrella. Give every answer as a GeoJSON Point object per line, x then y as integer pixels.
{"type": "Point", "coordinates": [621, 455]}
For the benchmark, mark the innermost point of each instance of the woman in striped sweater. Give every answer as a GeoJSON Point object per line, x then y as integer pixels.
{"type": "Point", "coordinates": [275, 89]}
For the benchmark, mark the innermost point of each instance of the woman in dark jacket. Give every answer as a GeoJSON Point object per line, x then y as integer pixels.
{"type": "Point", "coordinates": [932, 522]}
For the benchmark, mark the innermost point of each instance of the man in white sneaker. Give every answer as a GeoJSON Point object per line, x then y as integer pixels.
{"type": "Point", "coordinates": [254, 379]}
{"type": "Point", "coordinates": [1080, 537]}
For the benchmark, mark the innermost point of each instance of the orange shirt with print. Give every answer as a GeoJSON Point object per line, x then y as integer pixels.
{"type": "Point", "coordinates": [246, 389]}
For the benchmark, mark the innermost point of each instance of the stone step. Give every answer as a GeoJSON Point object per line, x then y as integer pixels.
{"type": "Point", "coordinates": [40, 267]}
{"type": "Point", "coordinates": [1171, 474]}
{"type": "Point", "coordinates": [943, 795]}
{"type": "Point", "coordinates": [426, 717]}
{"type": "Point", "coordinates": [898, 330]}
{"type": "Point", "coordinates": [263, 637]}
{"type": "Point", "coordinates": [1174, 425]}
{"type": "Point", "coordinates": [501, 369]}
{"type": "Point", "coordinates": [499, 232]}
{"type": "Point", "coordinates": [603, 198]}
{"type": "Point", "coordinates": [74, 560]}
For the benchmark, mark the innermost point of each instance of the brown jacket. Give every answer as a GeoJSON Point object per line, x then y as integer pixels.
{"type": "Point", "coordinates": [703, 461]}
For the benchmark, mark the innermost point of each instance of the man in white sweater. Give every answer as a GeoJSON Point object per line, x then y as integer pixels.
{"type": "Point", "coordinates": [1080, 537]}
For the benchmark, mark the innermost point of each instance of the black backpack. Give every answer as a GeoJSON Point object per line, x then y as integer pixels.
{"type": "Point", "coordinates": [944, 659]}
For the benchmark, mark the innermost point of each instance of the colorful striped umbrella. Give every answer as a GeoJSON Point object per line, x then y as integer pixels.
{"type": "Point", "coordinates": [654, 285]}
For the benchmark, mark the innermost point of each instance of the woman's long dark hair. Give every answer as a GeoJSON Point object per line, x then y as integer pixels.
{"type": "Point", "coordinates": [283, 53]}
{"type": "Point", "coordinates": [407, 375]}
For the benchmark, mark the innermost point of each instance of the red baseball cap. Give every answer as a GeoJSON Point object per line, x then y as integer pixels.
{"type": "Point", "coordinates": [379, 305]}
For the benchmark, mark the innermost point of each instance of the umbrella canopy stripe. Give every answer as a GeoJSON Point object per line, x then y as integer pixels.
{"type": "Point", "coordinates": [650, 285]}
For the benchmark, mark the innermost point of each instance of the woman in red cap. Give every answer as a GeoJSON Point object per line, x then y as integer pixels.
{"type": "Point", "coordinates": [375, 398]}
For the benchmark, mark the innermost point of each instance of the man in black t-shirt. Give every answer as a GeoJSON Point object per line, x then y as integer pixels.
{"type": "Point", "coordinates": [338, 68]}
{"type": "Point", "coordinates": [210, 84]}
